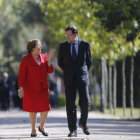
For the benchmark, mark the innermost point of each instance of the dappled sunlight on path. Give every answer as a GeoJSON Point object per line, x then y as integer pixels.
{"type": "Point", "coordinates": [14, 124]}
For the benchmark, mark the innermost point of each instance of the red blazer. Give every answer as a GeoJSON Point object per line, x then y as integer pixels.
{"type": "Point", "coordinates": [33, 77]}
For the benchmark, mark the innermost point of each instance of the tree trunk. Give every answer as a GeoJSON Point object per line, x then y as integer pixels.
{"type": "Point", "coordinates": [106, 84]}
{"type": "Point", "coordinates": [123, 88]}
{"type": "Point", "coordinates": [95, 94]}
{"type": "Point", "coordinates": [114, 88]}
{"type": "Point", "coordinates": [131, 83]}
{"type": "Point", "coordinates": [110, 88]}
{"type": "Point", "coordinates": [94, 80]}
{"type": "Point", "coordinates": [103, 87]}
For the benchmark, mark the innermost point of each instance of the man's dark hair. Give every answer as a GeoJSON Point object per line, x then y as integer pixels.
{"type": "Point", "coordinates": [72, 28]}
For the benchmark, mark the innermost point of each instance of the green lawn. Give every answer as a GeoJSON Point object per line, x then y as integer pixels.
{"type": "Point", "coordinates": [119, 113]}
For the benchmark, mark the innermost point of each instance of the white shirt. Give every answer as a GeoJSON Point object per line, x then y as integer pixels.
{"type": "Point", "coordinates": [39, 63]}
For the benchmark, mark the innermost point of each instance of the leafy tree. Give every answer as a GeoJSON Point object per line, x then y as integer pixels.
{"type": "Point", "coordinates": [121, 16]}
{"type": "Point", "coordinates": [20, 21]}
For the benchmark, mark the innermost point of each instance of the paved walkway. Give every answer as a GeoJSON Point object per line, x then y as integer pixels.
{"type": "Point", "coordinates": [14, 125]}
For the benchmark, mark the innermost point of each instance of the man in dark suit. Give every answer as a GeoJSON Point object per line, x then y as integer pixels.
{"type": "Point", "coordinates": [74, 58]}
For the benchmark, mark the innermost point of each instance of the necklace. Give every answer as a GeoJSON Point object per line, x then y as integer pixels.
{"type": "Point", "coordinates": [36, 58]}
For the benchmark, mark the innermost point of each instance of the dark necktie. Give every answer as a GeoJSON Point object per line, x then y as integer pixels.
{"type": "Point", "coordinates": [74, 55]}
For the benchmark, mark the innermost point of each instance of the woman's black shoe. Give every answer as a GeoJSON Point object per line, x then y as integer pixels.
{"type": "Point", "coordinates": [43, 133]}
{"type": "Point", "coordinates": [33, 135]}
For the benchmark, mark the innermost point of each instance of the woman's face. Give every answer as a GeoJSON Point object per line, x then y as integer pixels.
{"type": "Point", "coordinates": [37, 49]}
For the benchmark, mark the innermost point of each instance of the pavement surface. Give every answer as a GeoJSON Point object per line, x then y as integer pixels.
{"type": "Point", "coordinates": [15, 125]}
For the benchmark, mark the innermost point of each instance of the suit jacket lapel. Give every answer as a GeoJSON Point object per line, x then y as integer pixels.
{"type": "Point", "coordinates": [68, 47]}
{"type": "Point", "coordinates": [79, 47]}
{"type": "Point", "coordinates": [69, 51]}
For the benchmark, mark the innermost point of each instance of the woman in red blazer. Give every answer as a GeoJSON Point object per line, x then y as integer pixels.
{"type": "Point", "coordinates": [33, 84]}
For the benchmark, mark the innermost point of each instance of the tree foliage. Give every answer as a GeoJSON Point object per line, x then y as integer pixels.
{"type": "Point", "coordinates": [60, 14]}
{"type": "Point", "coordinates": [119, 14]}
{"type": "Point", "coordinates": [20, 22]}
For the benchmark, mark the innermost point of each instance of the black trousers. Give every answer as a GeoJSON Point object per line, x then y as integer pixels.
{"type": "Point", "coordinates": [70, 93]}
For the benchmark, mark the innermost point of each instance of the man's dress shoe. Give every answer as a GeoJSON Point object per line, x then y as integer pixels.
{"type": "Point", "coordinates": [73, 134]}
{"type": "Point", "coordinates": [84, 128]}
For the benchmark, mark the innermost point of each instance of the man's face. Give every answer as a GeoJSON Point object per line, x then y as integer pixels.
{"type": "Point", "coordinates": [70, 37]}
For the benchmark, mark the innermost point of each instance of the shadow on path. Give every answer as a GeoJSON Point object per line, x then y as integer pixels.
{"type": "Point", "coordinates": [97, 126]}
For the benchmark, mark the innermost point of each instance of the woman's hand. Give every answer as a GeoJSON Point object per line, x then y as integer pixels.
{"type": "Point", "coordinates": [20, 92]}
{"type": "Point", "coordinates": [50, 56]}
